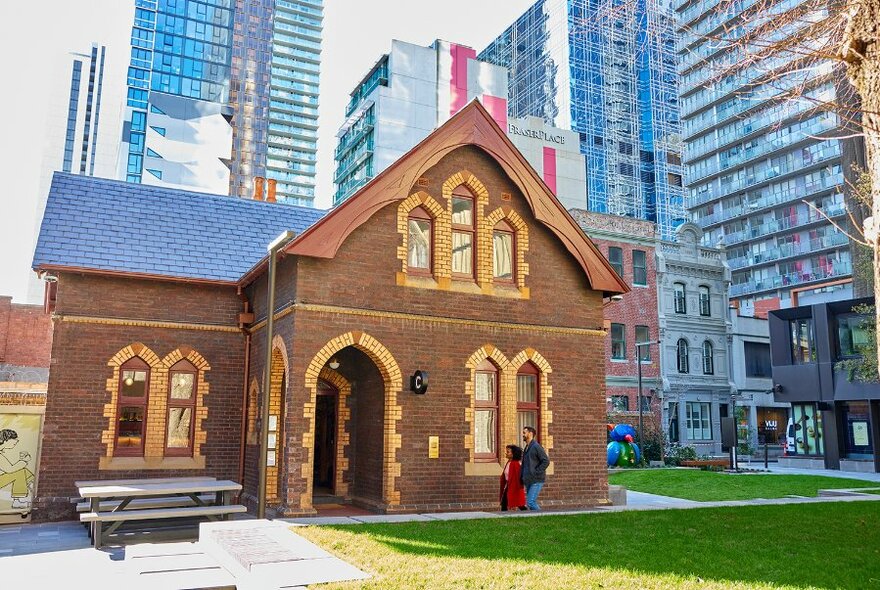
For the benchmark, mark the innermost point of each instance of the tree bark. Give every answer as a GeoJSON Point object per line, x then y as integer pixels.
{"type": "Point", "coordinates": [861, 52]}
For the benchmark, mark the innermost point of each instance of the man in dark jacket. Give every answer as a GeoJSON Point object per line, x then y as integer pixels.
{"type": "Point", "coordinates": [534, 467]}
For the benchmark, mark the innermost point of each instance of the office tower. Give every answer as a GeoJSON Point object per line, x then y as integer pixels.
{"type": "Point", "coordinates": [408, 93]}
{"type": "Point", "coordinates": [602, 69]}
{"type": "Point", "coordinates": [763, 172]}
{"type": "Point", "coordinates": [222, 91]}
{"type": "Point", "coordinates": [274, 87]}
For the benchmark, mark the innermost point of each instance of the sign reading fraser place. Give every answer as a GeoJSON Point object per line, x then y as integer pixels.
{"type": "Point", "coordinates": [537, 134]}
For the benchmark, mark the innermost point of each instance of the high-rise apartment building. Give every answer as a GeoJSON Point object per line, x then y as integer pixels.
{"type": "Point", "coordinates": [408, 93]}
{"type": "Point", "coordinates": [604, 70]}
{"type": "Point", "coordinates": [276, 56]}
{"type": "Point", "coordinates": [221, 91]}
{"type": "Point", "coordinates": [764, 173]}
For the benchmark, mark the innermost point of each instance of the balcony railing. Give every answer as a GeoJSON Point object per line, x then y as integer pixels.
{"type": "Point", "coordinates": [789, 250]}
{"type": "Point", "coordinates": [832, 270]}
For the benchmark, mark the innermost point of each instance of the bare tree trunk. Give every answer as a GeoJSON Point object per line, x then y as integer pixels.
{"type": "Point", "coordinates": [861, 51]}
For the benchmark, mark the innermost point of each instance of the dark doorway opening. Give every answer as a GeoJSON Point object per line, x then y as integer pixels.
{"type": "Point", "coordinates": [324, 470]}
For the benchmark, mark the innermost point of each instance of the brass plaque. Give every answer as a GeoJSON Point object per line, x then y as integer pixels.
{"type": "Point", "coordinates": [433, 447]}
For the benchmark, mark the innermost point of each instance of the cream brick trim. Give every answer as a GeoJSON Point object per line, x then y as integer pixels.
{"type": "Point", "coordinates": [73, 319]}
{"type": "Point", "coordinates": [277, 398]}
{"type": "Point", "coordinates": [157, 408]}
{"type": "Point", "coordinates": [441, 234]}
{"type": "Point", "coordinates": [343, 436]}
{"type": "Point", "coordinates": [136, 349]}
{"type": "Point", "coordinates": [391, 375]}
{"type": "Point", "coordinates": [506, 388]}
{"type": "Point", "coordinates": [545, 390]}
{"type": "Point", "coordinates": [521, 239]}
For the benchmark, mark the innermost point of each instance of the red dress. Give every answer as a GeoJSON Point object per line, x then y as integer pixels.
{"type": "Point", "coordinates": [511, 487]}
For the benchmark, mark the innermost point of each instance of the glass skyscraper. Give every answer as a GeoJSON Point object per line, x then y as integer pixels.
{"type": "Point", "coordinates": [764, 172]}
{"type": "Point", "coordinates": [222, 91]}
{"type": "Point", "coordinates": [605, 70]}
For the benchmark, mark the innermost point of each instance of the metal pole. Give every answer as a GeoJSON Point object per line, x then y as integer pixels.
{"type": "Point", "coordinates": [267, 371]}
{"type": "Point", "coordinates": [639, 363]}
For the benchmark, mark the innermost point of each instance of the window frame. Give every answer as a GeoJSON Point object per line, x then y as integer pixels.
{"type": "Point", "coordinates": [487, 367]}
{"type": "Point", "coordinates": [619, 252]}
{"type": "Point", "coordinates": [643, 268]}
{"type": "Point", "coordinates": [132, 364]}
{"type": "Point", "coordinates": [679, 295]}
{"type": "Point", "coordinates": [705, 302]}
{"type": "Point", "coordinates": [708, 359]}
{"type": "Point", "coordinates": [502, 227]}
{"type": "Point", "coordinates": [682, 353]}
{"type": "Point", "coordinates": [530, 369]}
{"type": "Point", "coordinates": [795, 330]}
{"type": "Point", "coordinates": [615, 406]}
{"type": "Point", "coordinates": [701, 418]}
{"type": "Point", "coordinates": [647, 349]}
{"type": "Point", "coordinates": [420, 214]}
{"type": "Point", "coordinates": [182, 366]}
{"type": "Point", "coordinates": [462, 193]}
{"type": "Point", "coordinates": [621, 340]}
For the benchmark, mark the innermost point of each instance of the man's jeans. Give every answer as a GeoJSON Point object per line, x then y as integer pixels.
{"type": "Point", "coordinates": [532, 490]}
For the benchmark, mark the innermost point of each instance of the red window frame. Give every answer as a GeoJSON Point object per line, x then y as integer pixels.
{"type": "Point", "coordinates": [502, 227]}
{"type": "Point", "coordinates": [420, 214]}
{"type": "Point", "coordinates": [529, 369]}
{"type": "Point", "coordinates": [135, 364]}
{"type": "Point", "coordinates": [182, 366]}
{"type": "Point", "coordinates": [462, 193]}
{"type": "Point", "coordinates": [487, 367]}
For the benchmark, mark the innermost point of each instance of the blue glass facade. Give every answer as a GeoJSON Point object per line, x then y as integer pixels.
{"type": "Point", "coordinates": [578, 65]}
{"type": "Point", "coordinates": [764, 173]}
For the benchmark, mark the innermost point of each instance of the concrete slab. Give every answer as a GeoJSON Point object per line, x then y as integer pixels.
{"type": "Point", "coordinates": [380, 518]}
{"type": "Point", "coordinates": [321, 520]}
{"type": "Point", "coordinates": [462, 515]}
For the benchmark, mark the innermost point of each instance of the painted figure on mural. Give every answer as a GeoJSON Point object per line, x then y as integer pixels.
{"type": "Point", "coordinates": [15, 472]}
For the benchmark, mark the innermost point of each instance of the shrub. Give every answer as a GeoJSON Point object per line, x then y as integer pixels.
{"type": "Point", "coordinates": [675, 454]}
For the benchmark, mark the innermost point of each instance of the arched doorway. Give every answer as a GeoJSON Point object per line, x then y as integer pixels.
{"type": "Point", "coordinates": [326, 437]}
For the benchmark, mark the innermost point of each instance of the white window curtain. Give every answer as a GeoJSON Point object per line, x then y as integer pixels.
{"type": "Point", "coordinates": [503, 259]}
{"type": "Point", "coordinates": [419, 243]}
{"type": "Point", "coordinates": [462, 258]}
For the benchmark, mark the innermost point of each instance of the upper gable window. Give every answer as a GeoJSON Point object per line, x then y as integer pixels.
{"type": "Point", "coordinates": [421, 228]}
{"type": "Point", "coordinates": [503, 248]}
{"type": "Point", "coordinates": [463, 233]}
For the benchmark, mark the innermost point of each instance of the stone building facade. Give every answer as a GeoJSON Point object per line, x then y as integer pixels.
{"type": "Point", "coordinates": [693, 289]}
{"type": "Point", "coordinates": [451, 262]}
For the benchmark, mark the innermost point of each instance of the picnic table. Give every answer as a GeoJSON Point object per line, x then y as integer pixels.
{"type": "Point", "coordinates": [113, 503]}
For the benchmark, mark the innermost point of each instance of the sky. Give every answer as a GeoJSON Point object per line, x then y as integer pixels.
{"type": "Point", "coordinates": [38, 35]}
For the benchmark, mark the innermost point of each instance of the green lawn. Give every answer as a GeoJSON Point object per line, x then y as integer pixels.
{"type": "Point", "coordinates": [829, 545]}
{"type": "Point", "coordinates": [708, 486]}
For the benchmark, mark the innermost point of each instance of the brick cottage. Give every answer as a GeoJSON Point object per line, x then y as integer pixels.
{"type": "Point", "coordinates": [456, 261]}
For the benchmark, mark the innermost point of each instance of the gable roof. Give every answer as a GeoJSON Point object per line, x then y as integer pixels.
{"type": "Point", "coordinates": [99, 225]}
{"type": "Point", "coordinates": [470, 126]}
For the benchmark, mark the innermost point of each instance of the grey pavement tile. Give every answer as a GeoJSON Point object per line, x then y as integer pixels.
{"type": "Point", "coordinates": [322, 520]}
{"type": "Point", "coordinates": [462, 515]}
{"type": "Point", "coordinates": [378, 518]}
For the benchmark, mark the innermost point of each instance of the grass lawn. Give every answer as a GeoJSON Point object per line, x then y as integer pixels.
{"type": "Point", "coordinates": [829, 545]}
{"type": "Point", "coordinates": [708, 486]}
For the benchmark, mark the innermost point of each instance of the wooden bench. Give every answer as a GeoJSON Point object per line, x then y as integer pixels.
{"type": "Point", "coordinates": [705, 463]}
{"type": "Point", "coordinates": [97, 519]}
{"type": "Point", "coordinates": [144, 503]}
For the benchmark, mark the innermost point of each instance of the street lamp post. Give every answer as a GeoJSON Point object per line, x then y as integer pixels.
{"type": "Point", "coordinates": [639, 346]}
{"type": "Point", "coordinates": [273, 248]}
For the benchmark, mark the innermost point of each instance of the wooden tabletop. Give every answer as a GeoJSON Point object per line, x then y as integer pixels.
{"type": "Point", "coordinates": [157, 488]}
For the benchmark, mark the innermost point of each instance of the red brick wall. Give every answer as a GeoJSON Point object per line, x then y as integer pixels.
{"type": "Point", "coordinates": [25, 334]}
{"type": "Point", "coordinates": [77, 389]}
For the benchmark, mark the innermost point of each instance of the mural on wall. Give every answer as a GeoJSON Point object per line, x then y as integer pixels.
{"type": "Point", "coordinates": [19, 449]}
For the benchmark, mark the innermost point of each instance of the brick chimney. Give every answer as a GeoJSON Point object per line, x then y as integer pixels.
{"type": "Point", "coordinates": [258, 188]}
{"type": "Point", "coordinates": [270, 197]}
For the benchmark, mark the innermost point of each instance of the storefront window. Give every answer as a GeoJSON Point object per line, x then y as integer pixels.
{"type": "Point", "coordinates": [856, 417]}
{"type": "Point", "coordinates": [771, 425]}
{"type": "Point", "coordinates": [852, 335]}
{"type": "Point", "coordinates": [808, 435]}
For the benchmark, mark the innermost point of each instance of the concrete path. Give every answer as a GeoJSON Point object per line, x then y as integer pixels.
{"type": "Point", "coordinates": [774, 468]}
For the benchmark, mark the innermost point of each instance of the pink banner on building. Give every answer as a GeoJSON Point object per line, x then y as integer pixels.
{"type": "Point", "coordinates": [497, 107]}
{"type": "Point", "coordinates": [459, 82]}
{"type": "Point", "coordinates": [550, 168]}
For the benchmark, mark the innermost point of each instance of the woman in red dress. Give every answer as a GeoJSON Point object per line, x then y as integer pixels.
{"type": "Point", "coordinates": [513, 494]}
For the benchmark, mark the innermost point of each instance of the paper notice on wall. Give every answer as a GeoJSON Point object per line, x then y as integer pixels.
{"type": "Point", "coordinates": [860, 434]}
{"type": "Point", "coordinates": [19, 449]}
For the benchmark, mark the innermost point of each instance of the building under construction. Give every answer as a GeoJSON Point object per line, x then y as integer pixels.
{"type": "Point", "coordinates": [605, 69]}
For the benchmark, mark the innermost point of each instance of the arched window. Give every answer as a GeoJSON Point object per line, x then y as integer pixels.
{"type": "Point", "coordinates": [708, 362]}
{"type": "Point", "coordinates": [528, 398]}
{"type": "Point", "coordinates": [182, 393]}
{"type": "Point", "coordinates": [420, 242]}
{"type": "Point", "coordinates": [463, 233]}
{"type": "Point", "coordinates": [705, 304]}
{"type": "Point", "coordinates": [131, 408]}
{"type": "Point", "coordinates": [503, 249]}
{"type": "Point", "coordinates": [679, 297]}
{"type": "Point", "coordinates": [682, 356]}
{"type": "Point", "coordinates": [486, 412]}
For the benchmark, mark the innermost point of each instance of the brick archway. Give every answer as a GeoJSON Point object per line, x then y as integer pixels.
{"type": "Point", "coordinates": [393, 380]}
